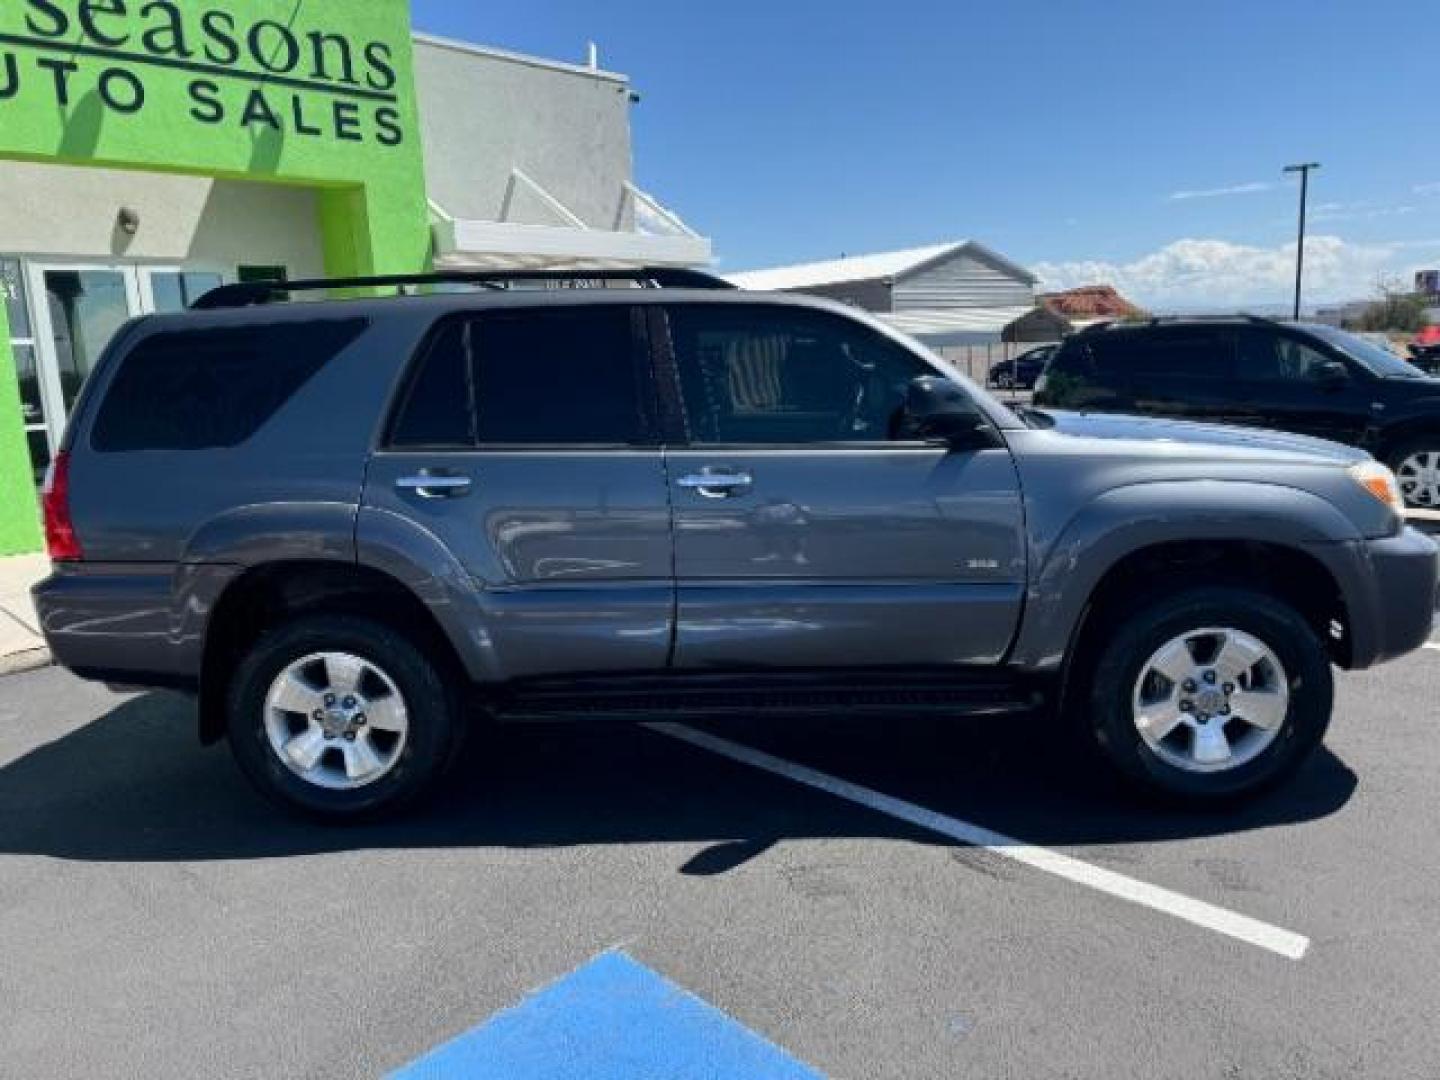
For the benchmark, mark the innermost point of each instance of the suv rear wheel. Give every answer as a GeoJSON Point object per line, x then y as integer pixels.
{"type": "Point", "coordinates": [1210, 695]}
{"type": "Point", "coordinates": [340, 717]}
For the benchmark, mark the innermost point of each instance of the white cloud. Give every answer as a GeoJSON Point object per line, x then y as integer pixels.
{"type": "Point", "coordinates": [1357, 211]}
{"type": "Point", "coordinates": [1196, 273]}
{"type": "Point", "coordinates": [1214, 193]}
{"type": "Point", "coordinates": [1432, 188]}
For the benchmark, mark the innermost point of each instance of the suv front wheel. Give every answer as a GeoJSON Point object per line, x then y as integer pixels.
{"type": "Point", "coordinates": [1416, 464]}
{"type": "Point", "coordinates": [1211, 694]}
{"type": "Point", "coordinates": [340, 717]}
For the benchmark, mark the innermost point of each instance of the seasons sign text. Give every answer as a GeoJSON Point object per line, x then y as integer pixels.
{"type": "Point", "coordinates": [252, 74]}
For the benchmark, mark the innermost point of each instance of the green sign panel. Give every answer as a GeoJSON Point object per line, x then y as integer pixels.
{"type": "Point", "coordinates": [318, 93]}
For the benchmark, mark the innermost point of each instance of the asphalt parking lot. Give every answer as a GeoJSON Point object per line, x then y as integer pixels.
{"type": "Point", "coordinates": [160, 920]}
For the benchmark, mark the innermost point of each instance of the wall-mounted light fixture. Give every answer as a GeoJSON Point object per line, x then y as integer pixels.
{"type": "Point", "coordinates": [128, 220]}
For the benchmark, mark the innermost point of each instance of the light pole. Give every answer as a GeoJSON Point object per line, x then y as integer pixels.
{"type": "Point", "coordinates": [1304, 171]}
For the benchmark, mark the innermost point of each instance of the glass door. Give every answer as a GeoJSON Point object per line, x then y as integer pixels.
{"type": "Point", "coordinates": [78, 310]}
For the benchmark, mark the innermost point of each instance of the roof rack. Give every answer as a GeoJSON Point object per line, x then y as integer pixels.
{"type": "Point", "coordinates": [1161, 320]}
{"type": "Point", "coordinates": [253, 293]}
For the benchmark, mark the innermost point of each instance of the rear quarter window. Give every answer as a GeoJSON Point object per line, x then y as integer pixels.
{"type": "Point", "coordinates": [1089, 371]}
{"type": "Point", "coordinates": [212, 388]}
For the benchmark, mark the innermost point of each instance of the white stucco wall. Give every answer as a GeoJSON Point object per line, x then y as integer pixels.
{"type": "Point", "coordinates": [71, 213]}
{"type": "Point", "coordinates": [484, 111]}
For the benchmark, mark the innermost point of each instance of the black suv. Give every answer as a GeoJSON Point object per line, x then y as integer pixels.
{"type": "Point", "coordinates": [1299, 377]}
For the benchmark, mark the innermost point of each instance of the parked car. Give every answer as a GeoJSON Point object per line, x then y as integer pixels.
{"type": "Point", "coordinates": [1304, 378]}
{"type": "Point", "coordinates": [1020, 372]}
{"type": "Point", "coordinates": [350, 526]}
{"type": "Point", "coordinates": [1425, 350]}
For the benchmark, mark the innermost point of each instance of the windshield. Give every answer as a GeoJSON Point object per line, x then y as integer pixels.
{"type": "Point", "coordinates": [1372, 357]}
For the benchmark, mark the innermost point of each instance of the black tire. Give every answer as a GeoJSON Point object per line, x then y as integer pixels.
{"type": "Point", "coordinates": [1396, 455]}
{"type": "Point", "coordinates": [435, 724]}
{"type": "Point", "coordinates": [1108, 722]}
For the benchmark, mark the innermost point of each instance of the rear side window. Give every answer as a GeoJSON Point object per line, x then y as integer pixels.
{"type": "Point", "coordinates": [543, 376]}
{"type": "Point", "coordinates": [1189, 354]}
{"type": "Point", "coordinates": [213, 388]}
{"type": "Point", "coordinates": [1112, 356]}
{"type": "Point", "coordinates": [557, 376]}
{"type": "Point", "coordinates": [439, 407]}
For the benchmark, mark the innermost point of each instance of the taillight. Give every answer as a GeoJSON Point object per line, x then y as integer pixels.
{"type": "Point", "coordinates": [60, 538]}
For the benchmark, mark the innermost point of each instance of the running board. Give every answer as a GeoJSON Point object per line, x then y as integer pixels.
{"type": "Point", "coordinates": [624, 698]}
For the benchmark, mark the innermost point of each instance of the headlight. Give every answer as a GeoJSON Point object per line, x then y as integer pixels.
{"type": "Point", "coordinates": [1380, 482]}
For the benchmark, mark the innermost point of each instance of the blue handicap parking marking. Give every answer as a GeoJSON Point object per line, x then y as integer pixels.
{"type": "Point", "coordinates": [614, 1017]}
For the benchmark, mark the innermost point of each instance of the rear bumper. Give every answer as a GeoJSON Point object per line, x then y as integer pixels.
{"type": "Point", "coordinates": [137, 624]}
{"type": "Point", "coordinates": [1391, 597]}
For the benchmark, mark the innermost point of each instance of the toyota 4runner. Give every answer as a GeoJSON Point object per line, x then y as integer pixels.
{"type": "Point", "coordinates": [351, 526]}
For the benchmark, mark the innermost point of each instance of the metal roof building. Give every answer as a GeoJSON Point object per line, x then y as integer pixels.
{"type": "Point", "coordinates": [957, 293]}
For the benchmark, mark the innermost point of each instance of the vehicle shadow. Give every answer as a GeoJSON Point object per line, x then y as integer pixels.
{"type": "Point", "coordinates": [134, 786]}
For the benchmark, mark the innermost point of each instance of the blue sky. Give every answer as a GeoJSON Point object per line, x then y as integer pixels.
{"type": "Point", "coordinates": [1139, 142]}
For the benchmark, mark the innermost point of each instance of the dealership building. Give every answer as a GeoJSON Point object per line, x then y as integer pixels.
{"type": "Point", "coordinates": [149, 152]}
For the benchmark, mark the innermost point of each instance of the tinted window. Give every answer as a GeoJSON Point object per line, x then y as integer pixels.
{"type": "Point", "coordinates": [1104, 356]}
{"type": "Point", "coordinates": [202, 389]}
{"type": "Point", "coordinates": [1071, 358]}
{"type": "Point", "coordinates": [1277, 358]}
{"type": "Point", "coordinates": [1191, 354]}
{"type": "Point", "coordinates": [545, 376]}
{"type": "Point", "coordinates": [562, 375]}
{"type": "Point", "coordinates": [438, 407]}
{"type": "Point", "coordinates": [775, 375]}
{"type": "Point", "coordinates": [1378, 360]}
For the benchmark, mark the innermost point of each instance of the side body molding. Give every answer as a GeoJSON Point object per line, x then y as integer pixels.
{"type": "Point", "coordinates": [1119, 522]}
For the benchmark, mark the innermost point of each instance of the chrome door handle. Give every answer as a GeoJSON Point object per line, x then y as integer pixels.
{"type": "Point", "coordinates": [434, 487]}
{"type": "Point", "coordinates": [716, 485]}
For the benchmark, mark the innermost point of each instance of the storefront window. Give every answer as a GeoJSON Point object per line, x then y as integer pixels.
{"type": "Point", "coordinates": [86, 308]}
{"type": "Point", "coordinates": [12, 288]}
{"type": "Point", "coordinates": [32, 408]}
{"type": "Point", "coordinates": [176, 291]}
{"type": "Point", "coordinates": [27, 370]}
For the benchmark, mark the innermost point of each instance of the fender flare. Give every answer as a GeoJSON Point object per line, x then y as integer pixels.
{"type": "Point", "coordinates": [1125, 520]}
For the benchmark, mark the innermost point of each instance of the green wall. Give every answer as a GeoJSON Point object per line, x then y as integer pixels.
{"type": "Point", "coordinates": [316, 93]}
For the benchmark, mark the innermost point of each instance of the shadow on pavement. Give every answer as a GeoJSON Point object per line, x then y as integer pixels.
{"type": "Point", "coordinates": [134, 786]}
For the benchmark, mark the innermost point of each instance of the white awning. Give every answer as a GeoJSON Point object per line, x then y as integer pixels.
{"type": "Point", "coordinates": [659, 238]}
{"type": "Point", "coordinates": [489, 245]}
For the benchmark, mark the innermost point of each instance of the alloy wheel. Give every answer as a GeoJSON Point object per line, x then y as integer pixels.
{"type": "Point", "coordinates": [1211, 700]}
{"type": "Point", "coordinates": [336, 720]}
{"type": "Point", "coordinates": [1419, 477]}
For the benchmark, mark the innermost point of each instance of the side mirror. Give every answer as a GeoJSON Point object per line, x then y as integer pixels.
{"type": "Point", "coordinates": [1330, 374]}
{"type": "Point", "coordinates": [937, 410]}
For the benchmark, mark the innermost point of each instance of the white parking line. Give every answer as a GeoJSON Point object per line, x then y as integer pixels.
{"type": "Point", "coordinates": [1432, 645]}
{"type": "Point", "coordinates": [1222, 921]}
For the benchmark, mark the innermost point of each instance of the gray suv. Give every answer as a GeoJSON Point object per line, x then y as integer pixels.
{"type": "Point", "coordinates": [352, 527]}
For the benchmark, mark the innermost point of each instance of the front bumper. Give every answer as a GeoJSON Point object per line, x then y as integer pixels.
{"type": "Point", "coordinates": [1391, 597]}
